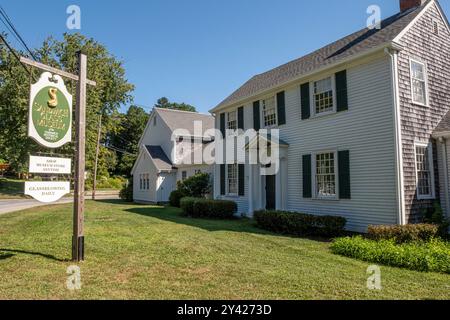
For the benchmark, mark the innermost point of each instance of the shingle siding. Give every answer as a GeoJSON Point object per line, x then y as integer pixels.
{"type": "Point", "coordinates": [419, 122]}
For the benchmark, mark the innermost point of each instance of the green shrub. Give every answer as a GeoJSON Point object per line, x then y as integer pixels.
{"type": "Point", "coordinates": [431, 256]}
{"type": "Point", "coordinates": [407, 233]}
{"type": "Point", "coordinates": [187, 206]}
{"type": "Point", "coordinates": [215, 209]}
{"type": "Point", "coordinates": [197, 186]}
{"type": "Point", "coordinates": [175, 198]}
{"type": "Point", "coordinates": [126, 193]}
{"type": "Point", "coordinates": [204, 208]}
{"type": "Point", "coordinates": [299, 224]}
{"type": "Point", "coordinates": [436, 216]}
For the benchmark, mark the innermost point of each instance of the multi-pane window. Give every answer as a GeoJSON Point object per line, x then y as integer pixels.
{"type": "Point", "coordinates": [424, 170]}
{"type": "Point", "coordinates": [323, 96]}
{"type": "Point", "coordinates": [269, 112]}
{"type": "Point", "coordinates": [232, 121]}
{"type": "Point", "coordinates": [325, 175]}
{"type": "Point", "coordinates": [184, 175]}
{"type": "Point", "coordinates": [144, 182]}
{"type": "Point", "coordinates": [232, 179]}
{"type": "Point", "coordinates": [418, 82]}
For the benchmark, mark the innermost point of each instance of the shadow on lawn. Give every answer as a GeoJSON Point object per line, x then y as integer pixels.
{"type": "Point", "coordinates": [237, 225]}
{"type": "Point", "coordinates": [12, 253]}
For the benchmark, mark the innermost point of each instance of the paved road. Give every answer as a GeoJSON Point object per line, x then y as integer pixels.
{"type": "Point", "coordinates": [13, 205]}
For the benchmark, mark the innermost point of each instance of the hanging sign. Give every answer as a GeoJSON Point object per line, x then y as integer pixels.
{"type": "Point", "coordinates": [48, 165]}
{"type": "Point", "coordinates": [50, 118]}
{"type": "Point", "coordinates": [47, 192]}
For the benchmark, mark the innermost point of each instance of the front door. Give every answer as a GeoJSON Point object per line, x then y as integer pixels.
{"type": "Point", "coordinates": [270, 193]}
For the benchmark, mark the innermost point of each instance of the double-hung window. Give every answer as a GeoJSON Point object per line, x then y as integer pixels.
{"type": "Point", "coordinates": [325, 175]}
{"type": "Point", "coordinates": [424, 171]}
{"type": "Point", "coordinates": [419, 83]}
{"type": "Point", "coordinates": [232, 122]}
{"type": "Point", "coordinates": [232, 178]}
{"type": "Point", "coordinates": [323, 96]}
{"type": "Point", "coordinates": [269, 112]}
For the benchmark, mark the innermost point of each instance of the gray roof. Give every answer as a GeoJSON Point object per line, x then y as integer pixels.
{"type": "Point", "coordinates": [444, 126]}
{"type": "Point", "coordinates": [356, 43]}
{"type": "Point", "coordinates": [161, 160]}
{"type": "Point", "coordinates": [176, 119]}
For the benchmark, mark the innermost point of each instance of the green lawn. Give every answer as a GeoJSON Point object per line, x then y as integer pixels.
{"type": "Point", "coordinates": [143, 252]}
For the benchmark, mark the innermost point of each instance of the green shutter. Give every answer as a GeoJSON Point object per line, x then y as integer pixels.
{"type": "Point", "coordinates": [281, 105]}
{"type": "Point", "coordinates": [222, 124]}
{"type": "Point", "coordinates": [241, 118]}
{"type": "Point", "coordinates": [306, 105]}
{"type": "Point", "coordinates": [341, 91]}
{"type": "Point", "coordinates": [344, 174]}
{"type": "Point", "coordinates": [222, 180]}
{"type": "Point", "coordinates": [307, 176]}
{"type": "Point", "coordinates": [241, 172]}
{"type": "Point", "coordinates": [256, 116]}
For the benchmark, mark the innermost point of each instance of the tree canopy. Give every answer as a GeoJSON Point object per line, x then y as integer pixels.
{"type": "Point", "coordinates": [164, 103]}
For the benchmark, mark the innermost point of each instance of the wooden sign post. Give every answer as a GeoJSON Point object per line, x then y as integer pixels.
{"type": "Point", "coordinates": [80, 163]}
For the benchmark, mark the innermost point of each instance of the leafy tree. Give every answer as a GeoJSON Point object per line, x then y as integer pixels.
{"type": "Point", "coordinates": [112, 91]}
{"type": "Point", "coordinates": [130, 128]}
{"type": "Point", "coordinates": [164, 103]}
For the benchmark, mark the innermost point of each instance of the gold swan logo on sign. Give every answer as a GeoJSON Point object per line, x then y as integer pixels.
{"type": "Point", "coordinates": [53, 102]}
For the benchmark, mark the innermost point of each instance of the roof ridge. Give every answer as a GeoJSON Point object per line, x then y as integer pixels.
{"type": "Point", "coordinates": [190, 112]}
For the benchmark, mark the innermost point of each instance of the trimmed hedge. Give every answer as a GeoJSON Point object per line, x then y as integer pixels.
{"type": "Point", "coordinates": [204, 208]}
{"type": "Point", "coordinates": [187, 206]}
{"type": "Point", "coordinates": [299, 224]}
{"type": "Point", "coordinates": [403, 234]}
{"type": "Point", "coordinates": [175, 198]}
{"type": "Point", "coordinates": [431, 256]}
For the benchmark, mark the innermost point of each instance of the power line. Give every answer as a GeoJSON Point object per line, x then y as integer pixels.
{"type": "Point", "coordinates": [15, 55]}
{"type": "Point", "coordinates": [21, 40]}
{"type": "Point", "coordinates": [118, 150]}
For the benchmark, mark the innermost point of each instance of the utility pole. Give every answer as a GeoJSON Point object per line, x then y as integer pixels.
{"type": "Point", "coordinates": [94, 187]}
{"type": "Point", "coordinates": [80, 166]}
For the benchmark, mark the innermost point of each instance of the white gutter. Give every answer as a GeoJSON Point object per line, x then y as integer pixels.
{"type": "Point", "coordinates": [398, 138]}
{"type": "Point", "coordinates": [388, 45]}
{"type": "Point", "coordinates": [443, 142]}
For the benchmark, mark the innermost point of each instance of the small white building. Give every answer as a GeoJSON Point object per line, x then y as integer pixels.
{"type": "Point", "coordinates": [168, 140]}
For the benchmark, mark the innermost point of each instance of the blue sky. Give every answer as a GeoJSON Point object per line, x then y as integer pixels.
{"type": "Point", "coordinates": [198, 51]}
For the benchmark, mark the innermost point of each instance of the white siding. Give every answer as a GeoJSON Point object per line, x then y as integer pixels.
{"type": "Point", "coordinates": [145, 166]}
{"type": "Point", "coordinates": [440, 157]}
{"type": "Point", "coordinates": [366, 130]}
{"type": "Point", "coordinates": [165, 184]}
{"type": "Point", "coordinates": [159, 135]}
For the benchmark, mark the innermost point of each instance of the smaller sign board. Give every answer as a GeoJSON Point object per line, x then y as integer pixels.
{"type": "Point", "coordinates": [47, 165]}
{"type": "Point", "coordinates": [47, 192]}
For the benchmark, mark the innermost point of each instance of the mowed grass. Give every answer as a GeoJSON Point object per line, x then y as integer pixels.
{"type": "Point", "coordinates": [145, 252]}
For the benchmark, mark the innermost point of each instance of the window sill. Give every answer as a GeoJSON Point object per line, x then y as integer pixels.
{"type": "Point", "coordinates": [328, 199]}
{"type": "Point", "coordinates": [322, 115]}
{"type": "Point", "coordinates": [426, 198]}
{"type": "Point", "coordinates": [420, 104]}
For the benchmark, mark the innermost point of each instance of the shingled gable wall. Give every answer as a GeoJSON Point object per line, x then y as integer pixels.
{"type": "Point", "coordinates": [418, 122]}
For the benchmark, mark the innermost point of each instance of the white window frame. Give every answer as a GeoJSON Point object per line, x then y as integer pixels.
{"type": "Point", "coordinates": [262, 117]}
{"type": "Point", "coordinates": [231, 131]}
{"type": "Point", "coordinates": [312, 96]}
{"type": "Point", "coordinates": [316, 195]}
{"type": "Point", "coordinates": [425, 73]}
{"type": "Point", "coordinates": [432, 194]}
{"type": "Point", "coordinates": [184, 175]}
{"type": "Point", "coordinates": [232, 194]}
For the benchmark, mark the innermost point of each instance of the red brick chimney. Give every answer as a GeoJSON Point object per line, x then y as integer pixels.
{"type": "Point", "coordinates": [408, 4]}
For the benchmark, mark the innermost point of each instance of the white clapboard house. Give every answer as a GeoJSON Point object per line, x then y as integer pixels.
{"type": "Point", "coordinates": [164, 150]}
{"type": "Point", "coordinates": [363, 125]}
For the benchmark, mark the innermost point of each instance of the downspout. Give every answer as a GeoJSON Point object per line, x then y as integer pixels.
{"type": "Point", "coordinates": [443, 142]}
{"type": "Point", "coordinates": [398, 138]}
